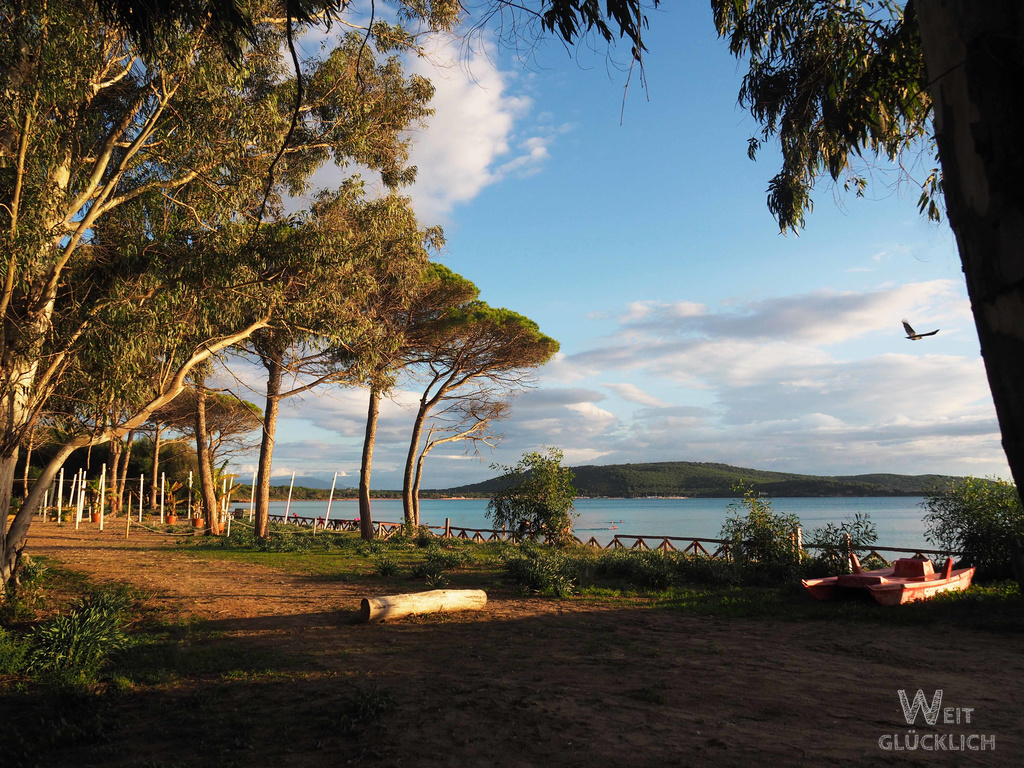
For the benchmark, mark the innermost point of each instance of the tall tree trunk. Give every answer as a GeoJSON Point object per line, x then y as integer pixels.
{"type": "Point", "coordinates": [409, 503]}
{"type": "Point", "coordinates": [209, 495]}
{"type": "Point", "coordinates": [365, 520]}
{"type": "Point", "coordinates": [416, 482]}
{"type": "Point", "coordinates": [15, 538]}
{"type": "Point", "coordinates": [115, 452]}
{"type": "Point", "coordinates": [154, 486]}
{"type": "Point", "coordinates": [30, 441]}
{"type": "Point", "coordinates": [10, 548]}
{"type": "Point", "coordinates": [123, 484]}
{"type": "Point", "coordinates": [275, 372]}
{"type": "Point", "coordinates": [974, 52]}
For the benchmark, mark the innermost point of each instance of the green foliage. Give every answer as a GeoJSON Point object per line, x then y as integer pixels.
{"type": "Point", "coordinates": [385, 565]}
{"type": "Point", "coordinates": [538, 499]}
{"type": "Point", "coordinates": [14, 650]}
{"type": "Point", "coordinates": [541, 570]}
{"type": "Point", "coordinates": [982, 520]}
{"type": "Point", "coordinates": [761, 537]}
{"type": "Point", "coordinates": [831, 539]}
{"type": "Point", "coordinates": [448, 558]}
{"type": "Point", "coordinates": [833, 81]}
{"type": "Point", "coordinates": [647, 569]}
{"type": "Point", "coordinates": [704, 479]}
{"type": "Point", "coordinates": [69, 650]}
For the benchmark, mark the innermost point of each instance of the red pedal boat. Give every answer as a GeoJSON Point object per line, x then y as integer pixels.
{"type": "Point", "coordinates": [912, 578]}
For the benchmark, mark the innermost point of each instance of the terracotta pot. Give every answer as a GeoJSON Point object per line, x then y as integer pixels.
{"type": "Point", "coordinates": [172, 519]}
{"type": "Point", "coordinates": [198, 522]}
{"type": "Point", "coordinates": [95, 517]}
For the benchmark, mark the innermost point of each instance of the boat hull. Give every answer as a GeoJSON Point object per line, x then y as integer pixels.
{"type": "Point", "coordinates": [898, 594]}
{"type": "Point", "coordinates": [908, 581]}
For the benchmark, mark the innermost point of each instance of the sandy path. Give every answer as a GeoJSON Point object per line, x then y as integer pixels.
{"type": "Point", "coordinates": [536, 682]}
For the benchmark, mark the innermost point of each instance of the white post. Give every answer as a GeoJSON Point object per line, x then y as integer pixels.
{"type": "Point", "coordinates": [288, 505]}
{"type": "Point", "coordinates": [73, 501]}
{"type": "Point", "coordinates": [330, 500]}
{"type": "Point", "coordinates": [163, 486]}
{"type": "Point", "coordinates": [81, 498]}
{"type": "Point", "coordinates": [252, 498]}
{"type": "Point", "coordinates": [190, 496]}
{"type": "Point", "coordinates": [103, 493]}
{"type": "Point", "coordinates": [142, 492]}
{"type": "Point", "coordinates": [227, 511]}
{"type": "Point", "coordinates": [46, 500]}
{"type": "Point", "coordinates": [223, 498]}
{"type": "Point", "coordinates": [60, 493]}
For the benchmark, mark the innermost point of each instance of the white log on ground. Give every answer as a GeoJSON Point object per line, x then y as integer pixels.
{"type": "Point", "coordinates": [436, 600]}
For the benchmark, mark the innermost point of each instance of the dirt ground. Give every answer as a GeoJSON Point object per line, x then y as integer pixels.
{"type": "Point", "coordinates": [528, 682]}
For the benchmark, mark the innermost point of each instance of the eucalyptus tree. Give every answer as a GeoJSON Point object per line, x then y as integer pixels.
{"type": "Point", "coordinates": [184, 142]}
{"type": "Point", "coordinates": [472, 355]}
{"type": "Point", "coordinates": [837, 79]}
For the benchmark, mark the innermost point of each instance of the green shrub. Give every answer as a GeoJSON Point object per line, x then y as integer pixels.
{"type": "Point", "coordinates": [71, 648]}
{"type": "Point", "coordinates": [982, 520]}
{"type": "Point", "coordinates": [542, 570]}
{"type": "Point", "coordinates": [448, 558]}
{"type": "Point", "coordinates": [831, 538]}
{"type": "Point", "coordinates": [647, 569]}
{"type": "Point", "coordinates": [701, 569]}
{"type": "Point", "coordinates": [538, 498]}
{"type": "Point", "coordinates": [372, 548]}
{"type": "Point", "coordinates": [13, 652]}
{"type": "Point", "coordinates": [762, 540]}
{"type": "Point", "coordinates": [385, 565]}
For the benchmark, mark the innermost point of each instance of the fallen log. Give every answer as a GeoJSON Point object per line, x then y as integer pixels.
{"type": "Point", "coordinates": [397, 606]}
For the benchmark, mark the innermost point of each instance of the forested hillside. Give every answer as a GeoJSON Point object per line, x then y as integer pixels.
{"type": "Point", "coordinates": [686, 478]}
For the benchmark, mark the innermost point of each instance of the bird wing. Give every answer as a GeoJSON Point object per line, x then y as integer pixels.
{"type": "Point", "coordinates": [930, 333]}
{"type": "Point", "coordinates": [908, 329]}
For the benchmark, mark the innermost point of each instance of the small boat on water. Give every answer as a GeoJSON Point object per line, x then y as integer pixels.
{"type": "Point", "coordinates": [909, 579]}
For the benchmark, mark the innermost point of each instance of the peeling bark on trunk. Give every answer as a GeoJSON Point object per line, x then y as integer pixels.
{"type": "Point", "coordinates": [975, 58]}
{"type": "Point", "coordinates": [30, 444]}
{"type": "Point", "coordinates": [365, 520]}
{"type": "Point", "coordinates": [208, 494]}
{"type": "Point", "coordinates": [275, 372]}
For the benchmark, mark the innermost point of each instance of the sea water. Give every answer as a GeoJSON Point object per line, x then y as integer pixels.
{"type": "Point", "coordinates": [898, 520]}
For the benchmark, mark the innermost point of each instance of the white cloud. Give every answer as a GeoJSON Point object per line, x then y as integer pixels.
{"type": "Point", "coordinates": [474, 137]}
{"type": "Point", "coordinates": [634, 394]}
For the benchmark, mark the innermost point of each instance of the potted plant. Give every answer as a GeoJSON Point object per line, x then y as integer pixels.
{"type": "Point", "coordinates": [172, 500]}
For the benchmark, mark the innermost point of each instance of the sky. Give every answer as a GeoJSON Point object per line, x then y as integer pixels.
{"type": "Point", "coordinates": [631, 225]}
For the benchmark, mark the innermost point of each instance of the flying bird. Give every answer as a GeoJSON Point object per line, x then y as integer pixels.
{"type": "Point", "coordinates": [914, 335]}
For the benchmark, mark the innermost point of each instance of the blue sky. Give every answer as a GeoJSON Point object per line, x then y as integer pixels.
{"type": "Point", "coordinates": [690, 328]}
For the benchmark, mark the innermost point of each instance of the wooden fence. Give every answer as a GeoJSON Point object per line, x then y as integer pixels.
{"type": "Point", "coordinates": [693, 545]}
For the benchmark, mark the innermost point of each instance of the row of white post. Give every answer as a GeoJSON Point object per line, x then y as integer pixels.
{"type": "Point", "coordinates": [76, 498]}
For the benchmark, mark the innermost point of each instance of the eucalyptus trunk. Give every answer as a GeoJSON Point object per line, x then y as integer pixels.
{"type": "Point", "coordinates": [154, 486]}
{"type": "Point", "coordinates": [206, 489]}
{"type": "Point", "coordinates": [275, 373]}
{"type": "Point", "coordinates": [30, 440]}
{"type": "Point", "coordinates": [123, 483]}
{"type": "Point", "coordinates": [116, 450]}
{"type": "Point", "coordinates": [365, 467]}
{"type": "Point", "coordinates": [974, 52]}
{"type": "Point", "coordinates": [410, 504]}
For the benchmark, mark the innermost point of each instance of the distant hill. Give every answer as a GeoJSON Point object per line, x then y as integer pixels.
{"type": "Point", "coordinates": [688, 478]}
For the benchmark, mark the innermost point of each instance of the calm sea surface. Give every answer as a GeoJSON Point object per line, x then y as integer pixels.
{"type": "Point", "coordinates": [897, 519]}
